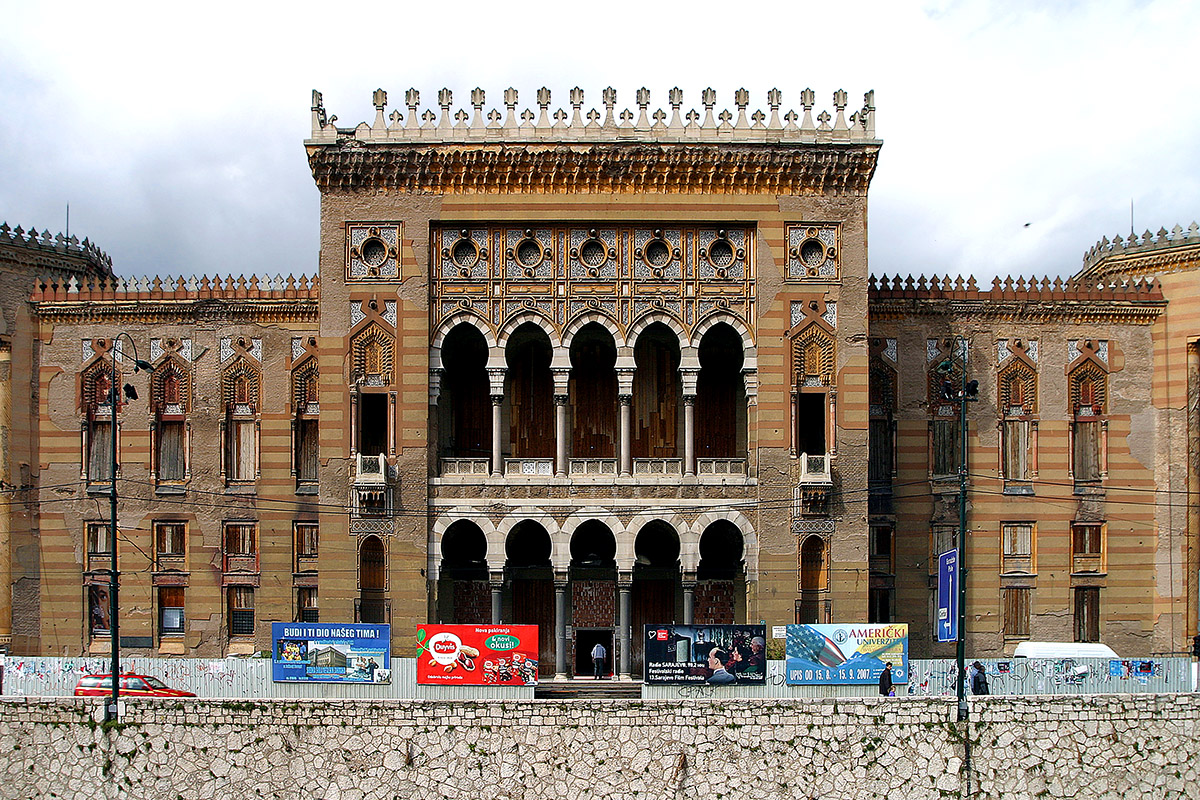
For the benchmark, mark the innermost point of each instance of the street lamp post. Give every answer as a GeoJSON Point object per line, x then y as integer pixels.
{"type": "Point", "coordinates": [110, 711]}
{"type": "Point", "coordinates": [961, 394]}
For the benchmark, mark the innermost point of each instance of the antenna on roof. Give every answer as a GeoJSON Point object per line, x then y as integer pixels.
{"type": "Point", "coordinates": [1131, 233]}
{"type": "Point", "coordinates": [68, 233]}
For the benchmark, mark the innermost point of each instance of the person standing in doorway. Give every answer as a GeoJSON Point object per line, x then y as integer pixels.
{"type": "Point", "coordinates": [885, 681]}
{"type": "Point", "coordinates": [599, 655]}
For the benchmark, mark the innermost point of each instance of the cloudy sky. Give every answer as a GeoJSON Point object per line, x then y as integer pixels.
{"type": "Point", "coordinates": [1016, 134]}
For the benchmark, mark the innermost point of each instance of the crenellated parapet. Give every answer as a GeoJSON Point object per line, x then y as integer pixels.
{"type": "Point", "coordinates": [45, 244]}
{"type": "Point", "coordinates": [1165, 251]}
{"type": "Point", "coordinates": [154, 299]}
{"type": "Point", "coordinates": [1134, 300]}
{"type": "Point", "coordinates": [669, 150]}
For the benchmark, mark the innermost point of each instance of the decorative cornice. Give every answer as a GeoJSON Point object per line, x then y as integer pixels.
{"type": "Point", "coordinates": [595, 169]}
{"type": "Point", "coordinates": [44, 243]}
{"type": "Point", "coordinates": [155, 300]}
{"type": "Point", "coordinates": [1133, 302]}
{"type": "Point", "coordinates": [1165, 251]}
{"type": "Point", "coordinates": [699, 157]}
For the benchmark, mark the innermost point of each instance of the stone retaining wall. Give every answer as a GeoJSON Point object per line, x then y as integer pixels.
{"type": "Point", "coordinates": [1102, 746]}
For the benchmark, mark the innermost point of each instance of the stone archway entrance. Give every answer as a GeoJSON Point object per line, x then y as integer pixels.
{"type": "Point", "coordinates": [656, 587]}
{"type": "Point", "coordinates": [530, 581]}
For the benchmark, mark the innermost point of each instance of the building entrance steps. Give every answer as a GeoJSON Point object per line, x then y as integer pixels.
{"type": "Point", "coordinates": [588, 689]}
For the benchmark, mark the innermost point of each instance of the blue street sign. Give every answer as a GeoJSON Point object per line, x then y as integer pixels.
{"type": "Point", "coordinates": [947, 607]}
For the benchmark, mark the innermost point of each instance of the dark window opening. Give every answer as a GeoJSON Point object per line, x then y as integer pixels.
{"type": "Point", "coordinates": [306, 450]}
{"type": "Point", "coordinates": [373, 424]}
{"type": "Point", "coordinates": [1087, 614]}
{"type": "Point", "coordinates": [241, 611]}
{"type": "Point", "coordinates": [880, 606]}
{"type": "Point", "coordinates": [170, 610]}
{"type": "Point", "coordinates": [947, 435]}
{"type": "Point", "coordinates": [172, 462]}
{"type": "Point", "coordinates": [810, 423]}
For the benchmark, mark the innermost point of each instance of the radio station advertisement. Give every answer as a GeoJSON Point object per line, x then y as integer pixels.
{"type": "Point", "coordinates": [477, 655]}
{"type": "Point", "coordinates": [717, 655]}
{"type": "Point", "coordinates": [845, 654]}
{"type": "Point", "coordinates": [315, 653]}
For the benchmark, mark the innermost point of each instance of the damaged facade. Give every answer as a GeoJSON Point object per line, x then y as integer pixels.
{"type": "Point", "coordinates": [591, 370]}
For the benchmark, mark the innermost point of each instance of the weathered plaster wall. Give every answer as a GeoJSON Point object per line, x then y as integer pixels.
{"type": "Point", "coordinates": [1101, 746]}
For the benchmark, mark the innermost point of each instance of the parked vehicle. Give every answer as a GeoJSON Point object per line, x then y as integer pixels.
{"type": "Point", "coordinates": [131, 686]}
{"type": "Point", "coordinates": [1064, 650]}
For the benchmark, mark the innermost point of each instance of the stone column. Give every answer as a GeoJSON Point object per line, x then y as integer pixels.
{"type": "Point", "coordinates": [560, 435]}
{"type": "Point", "coordinates": [689, 599]}
{"type": "Point", "coordinates": [625, 449]}
{"type": "Point", "coordinates": [689, 434]}
{"type": "Point", "coordinates": [625, 587]}
{"type": "Point", "coordinates": [497, 456]}
{"type": "Point", "coordinates": [560, 626]}
{"type": "Point", "coordinates": [496, 581]}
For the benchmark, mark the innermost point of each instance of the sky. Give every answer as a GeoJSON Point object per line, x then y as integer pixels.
{"type": "Point", "coordinates": [1016, 134]}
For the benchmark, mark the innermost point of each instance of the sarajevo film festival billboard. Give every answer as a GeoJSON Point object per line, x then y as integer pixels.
{"type": "Point", "coordinates": [477, 655]}
{"type": "Point", "coordinates": [314, 653]}
{"type": "Point", "coordinates": [845, 654]}
{"type": "Point", "coordinates": [712, 654]}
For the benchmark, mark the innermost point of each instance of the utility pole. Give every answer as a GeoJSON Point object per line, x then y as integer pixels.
{"type": "Point", "coordinates": [110, 711]}
{"type": "Point", "coordinates": [964, 392]}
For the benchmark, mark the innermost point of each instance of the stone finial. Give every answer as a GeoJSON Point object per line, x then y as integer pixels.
{"type": "Point", "coordinates": [318, 111]}
{"type": "Point", "coordinates": [412, 98]}
{"type": "Point", "coordinates": [379, 98]}
{"type": "Point", "coordinates": [576, 97]}
{"type": "Point", "coordinates": [708, 98]}
{"type": "Point", "coordinates": [824, 118]}
{"type": "Point", "coordinates": [445, 98]}
{"type": "Point", "coordinates": [643, 101]}
{"type": "Point", "coordinates": [774, 99]}
{"type": "Point", "coordinates": [808, 98]}
{"type": "Point", "coordinates": [478, 98]}
{"type": "Point", "coordinates": [543, 101]}
{"type": "Point", "coordinates": [510, 102]}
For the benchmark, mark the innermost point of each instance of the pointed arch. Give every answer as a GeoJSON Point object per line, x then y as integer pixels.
{"type": "Point", "coordinates": [443, 329]}
{"type": "Point", "coordinates": [372, 353]}
{"type": "Point", "coordinates": [171, 387]}
{"type": "Point", "coordinates": [646, 320]}
{"type": "Point", "coordinates": [814, 357]}
{"type": "Point", "coordinates": [540, 320]}
{"type": "Point", "coordinates": [1016, 389]}
{"type": "Point", "coordinates": [603, 320]}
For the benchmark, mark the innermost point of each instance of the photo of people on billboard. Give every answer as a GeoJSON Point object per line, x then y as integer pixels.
{"type": "Point", "coordinates": [717, 655]}
{"type": "Point", "coordinates": [845, 654]}
{"type": "Point", "coordinates": [313, 653]}
{"type": "Point", "coordinates": [477, 655]}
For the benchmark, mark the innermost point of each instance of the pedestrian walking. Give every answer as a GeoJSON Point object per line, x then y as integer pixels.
{"type": "Point", "coordinates": [599, 654]}
{"type": "Point", "coordinates": [979, 683]}
{"type": "Point", "coordinates": [885, 681]}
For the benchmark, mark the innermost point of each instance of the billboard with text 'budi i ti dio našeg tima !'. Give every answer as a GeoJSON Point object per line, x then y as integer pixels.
{"type": "Point", "coordinates": [846, 654]}
{"type": "Point", "coordinates": [316, 653]}
{"type": "Point", "coordinates": [712, 654]}
{"type": "Point", "coordinates": [477, 655]}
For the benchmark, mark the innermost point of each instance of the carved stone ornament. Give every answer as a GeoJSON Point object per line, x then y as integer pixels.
{"type": "Point", "coordinates": [373, 251]}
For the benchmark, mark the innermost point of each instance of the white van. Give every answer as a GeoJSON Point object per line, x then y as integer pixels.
{"type": "Point", "coordinates": [1064, 650]}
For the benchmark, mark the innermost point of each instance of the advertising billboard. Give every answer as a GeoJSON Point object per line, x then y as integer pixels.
{"type": "Point", "coordinates": [712, 654]}
{"type": "Point", "coordinates": [845, 654]}
{"type": "Point", "coordinates": [477, 655]}
{"type": "Point", "coordinates": [316, 653]}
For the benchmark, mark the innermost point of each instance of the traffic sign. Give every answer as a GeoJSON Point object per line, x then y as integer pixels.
{"type": "Point", "coordinates": [947, 607]}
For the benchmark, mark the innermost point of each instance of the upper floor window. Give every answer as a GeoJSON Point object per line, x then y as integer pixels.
{"type": "Point", "coordinates": [170, 398]}
{"type": "Point", "coordinates": [241, 546]}
{"type": "Point", "coordinates": [307, 538]}
{"type": "Point", "coordinates": [170, 545]}
{"type": "Point", "coordinates": [1087, 547]}
{"type": "Point", "coordinates": [1017, 542]}
{"type": "Point", "coordinates": [240, 391]}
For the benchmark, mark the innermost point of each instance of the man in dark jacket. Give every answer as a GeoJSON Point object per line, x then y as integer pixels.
{"type": "Point", "coordinates": [885, 681]}
{"type": "Point", "coordinates": [979, 684]}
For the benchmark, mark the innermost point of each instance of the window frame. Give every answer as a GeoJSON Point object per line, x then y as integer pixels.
{"type": "Point", "coordinates": [305, 559]}
{"type": "Point", "coordinates": [1098, 559]}
{"type": "Point", "coordinates": [243, 559]}
{"type": "Point", "coordinates": [170, 559]}
{"type": "Point", "coordinates": [1012, 562]}
{"type": "Point", "coordinates": [163, 630]}
{"type": "Point", "coordinates": [1016, 603]}
{"type": "Point", "coordinates": [235, 601]}
{"type": "Point", "coordinates": [1086, 614]}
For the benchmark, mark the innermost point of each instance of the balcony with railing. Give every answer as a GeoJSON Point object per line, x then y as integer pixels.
{"type": "Point", "coordinates": [815, 470]}
{"type": "Point", "coordinates": [814, 485]}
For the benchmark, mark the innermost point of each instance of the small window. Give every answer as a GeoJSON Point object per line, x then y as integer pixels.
{"type": "Point", "coordinates": [240, 539]}
{"type": "Point", "coordinates": [1017, 540]}
{"type": "Point", "coordinates": [172, 460]}
{"type": "Point", "coordinates": [307, 537]}
{"type": "Point", "coordinates": [1087, 614]}
{"type": "Point", "coordinates": [240, 450]}
{"type": "Point", "coordinates": [306, 604]}
{"type": "Point", "coordinates": [879, 606]}
{"type": "Point", "coordinates": [170, 539]}
{"type": "Point", "coordinates": [881, 548]}
{"type": "Point", "coordinates": [947, 434]}
{"type": "Point", "coordinates": [170, 610]}
{"type": "Point", "coordinates": [945, 539]}
{"type": "Point", "coordinates": [1016, 612]}
{"type": "Point", "coordinates": [1015, 444]}
{"type": "Point", "coordinates": [1085, 453]}
{"type": "Point", "coordinates": [880, 447]}
{"type": "Point", "coordinates": [100, 450]}
{"type": "Point", "coordinates": [810, 423]}
{"type": "Point", "coordinates": [1087, 547]}
{"type": "Point", "coordinates": [241, 611]}
{"type": "Point", "coordinates": [306, 450]}
{"type": "Point", "coordinates": [98, 540]}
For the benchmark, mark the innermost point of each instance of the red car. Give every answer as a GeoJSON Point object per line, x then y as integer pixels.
{"type": "Point", "coordinates": [131, 686]}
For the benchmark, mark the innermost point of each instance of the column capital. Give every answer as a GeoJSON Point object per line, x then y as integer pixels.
{"type": "Point", "coordinates": [561, 399]}
{"type": "Point", "coordinates": [497, 399]}
{"type": "Point", "coordinates": [625, 399]}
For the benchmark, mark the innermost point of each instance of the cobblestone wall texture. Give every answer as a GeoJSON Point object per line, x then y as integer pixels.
{"type": "Point", "coordinates": [1098, 746]}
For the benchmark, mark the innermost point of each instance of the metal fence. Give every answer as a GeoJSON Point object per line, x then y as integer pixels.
{"type": "Point", "coordinates": [242, 678]}
{"type": "Point", "coordinates": [237, 678]}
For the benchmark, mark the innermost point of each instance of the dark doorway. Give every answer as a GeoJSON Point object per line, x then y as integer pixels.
{"type": "Point", "coordinates": [464, 596]}
{"type": "Point", "coordinates": [593, 391]}
{"type": "Point", "coordinates": [531, 587]}
{"type": "Point", "coordinates": [655, 585]}
{"type": "Point", "coordinates": [585, 640]}
{"type": "Point", "coordinates": [721, 396]}
{"type": "Point", "coordinates": [465, 405]}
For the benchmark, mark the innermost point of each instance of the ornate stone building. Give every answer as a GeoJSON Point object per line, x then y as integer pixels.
{"type": "Point", "coordinates": [597, 369]}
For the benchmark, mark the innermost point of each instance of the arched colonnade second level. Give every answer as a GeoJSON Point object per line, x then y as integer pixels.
{"type": "Point", "coordinates": [593, 399]}
{"type": "Point", "coordinates": [591, 577]}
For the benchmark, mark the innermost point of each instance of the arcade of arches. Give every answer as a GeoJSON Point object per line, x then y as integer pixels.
{"type": "Point", "coordinates": [594, 400]}
{"type": "Point", "coordinates": [585, 585]}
